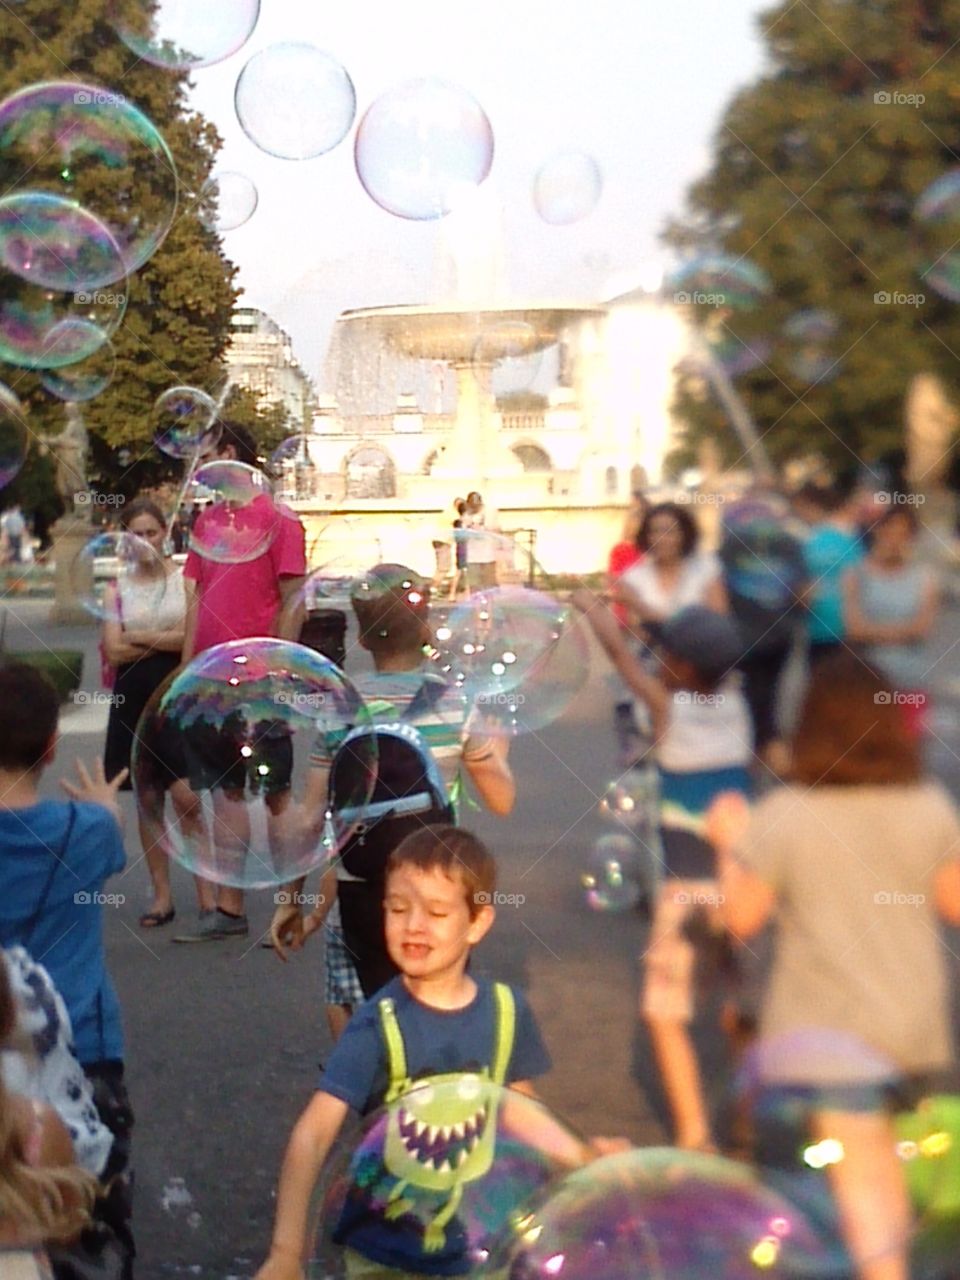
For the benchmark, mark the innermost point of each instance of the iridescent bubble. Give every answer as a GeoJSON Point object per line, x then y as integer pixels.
{"type": "Point", "coordinates": [234, 197]}
{"type": "Point", "coordinates": [181, 34]}
{"type": "Point", "coordinates": [937, 215]}
{"type": "Point", "coordinates": [612, 880]}
{"type": "Point", "coordinates": [719, 281]}
{"type": "Point", "coordinates": [738, 353]}
{"type": "Point", "coordinates": [518, 654]}
{"type": "Point", "coordinates": [241, 521]}
{"type": "Point", "coordinates": [85, 378]}
{"type": "Point", "coordinates": [632, 800]}
{"type": "Point", "coordinates": [463, 1152]}
{"type": "Point", "coordinates": [185, 423]}
{"type": "Point", "coordinates": [810, 345]}
{"type": "Point", "coordinates": [51, 242]}
{"type": "Point", "coordinates": [567, 187]}
{"type": "Point", "coordinates": [222, 762]}
{"type": "Point", "coordinates": [115, 564]}
{"type": "Point", "coordinates": [293, 450]}
{"type": "Point", "coordinates": [295, 101]}
{"type": "Point", "coordinates": [420, 145]}
{"type": "Point", "coordinates": [658, 1214]}
{"type": "Point", "coordinates": [44, 329]}
{"type": "Point", "coordinates": [13, 435]}
{"type": "Point", "coordinates": [90, 146]}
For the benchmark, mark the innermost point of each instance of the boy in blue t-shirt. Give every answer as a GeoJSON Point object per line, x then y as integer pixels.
{"type": "Point", "coordinates": [55, 858]}
{"type": "Point", "coordinates": [832, 548]}
{"type": "Point", "coordinates": [439, 891]}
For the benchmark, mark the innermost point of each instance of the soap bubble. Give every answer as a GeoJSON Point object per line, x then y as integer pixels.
{"type": "Point", "coordinates": [117, 566]}
{"type": "Point", "coordinates": [810, 339]}
{"type": "Point", "coordinates": [937, 216]}
{"type": "Point", "coordinates": [420, 145]}
{"type": "Point", "coordinates": [234, 197]}
{"type": "Point", "coordinates": [289, 452]}
{"type": "Point", "coordinates": [717, 280]}
{"type": "Point", "coordinates": [185, 423]}
{"type": "Point", "coordinates": [241, 521]}
{"type": "Point", "coordinates": [659, 1214]}
{"type": "Point", "coordinates": [52, 242]}
{"type": "Point", "coordinates": [612, 878]}
{"type": "Point", "coordinates": [13, 435]}
{"type": "Point", "coordinates": [567, 187]}
{"type": "Point", "coordinates": [222, 762]}
{"type": "Point", "coordinates": [85, 378]}
{"type": "Point", "coordinates": [182, 35]}
{"type": "Point", "coordinates": [295, 101]}
{"type": "Point", "coordinates": [439, 1174]}
{"type": "Point", "coordinates": [632, 801]}
{"type": "Point", "coordinates": [82, 142]}
{"type": "Point", "coordinates": [518, 655]}
{"type": "Point", "coordinates": [738, 353]}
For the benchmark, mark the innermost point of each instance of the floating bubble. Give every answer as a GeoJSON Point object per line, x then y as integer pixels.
{"type": "Point", "coordinates": [85, 378]}
{"type": "Point", "coordinates": [632, 800]}
{"type": "Point", "coordinates": [181, 35]}
{"type": "Point", "coordinates": [114, 566]}
{"type": "Point", "coordinates": [738, 353]}
{"type": "Point", "coordinates": [295, 101]}
{"type": "Point", "coordinates": [612, 879]}
{"type": "Point", "coordinates": [517, 654]}
{"type": "Point", "coordinates": [716, 280]}
{"type": "Point", "coordinates": [185, 423]}
{"type": "Point", "coordinates": [222, 762]}
{"type": "Point", "coordinates": [92, 147]}
{"type": "Point", "coordinates": [241, 519]}
{"type": "Point", "coordinates": [937, 216]}
{"type": "Point", "coordinates": [54, 243]}
{"type": "Point", "coordinates": [567, 187]}
{"type": "Point", "coordinates": [420, 145]}
{"type": "Point", "coordinates": [234, 197]}
{"type": "Point", "coordinates": [658, 1214]}
{"type": "Point", "coordinates": [293, 450]}
{"type": "Point", "coordinates": [810, 338]}
{"type": "Point", "coordinates": [13, 435]}
{"type": "Point", "coordinates": [438, 1174]}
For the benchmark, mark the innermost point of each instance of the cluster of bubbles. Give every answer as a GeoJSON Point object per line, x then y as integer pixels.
{"type": "Point", "coordinates": [622, 866]}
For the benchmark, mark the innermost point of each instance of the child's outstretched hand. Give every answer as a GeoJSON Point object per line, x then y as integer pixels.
{"type": "Point", "coordinates": [727, 820]}
{"type": "Point", "coordinates": [93, 788]}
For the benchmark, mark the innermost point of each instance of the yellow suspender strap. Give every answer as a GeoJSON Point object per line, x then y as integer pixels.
{"type": "Point", "coordinates": [396, 1054]}
{"type": "Point", "coordinates": [506, 1026]}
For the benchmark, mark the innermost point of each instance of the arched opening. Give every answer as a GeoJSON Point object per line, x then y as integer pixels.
{"type": "Point", "coordinates": [532, 457]}
{"type": "Point", "coordinates": [610, 482]}
{"type": "Point", "coordinates": [639, 480]}
{"type": "Point", "coordinates": [370, 474]}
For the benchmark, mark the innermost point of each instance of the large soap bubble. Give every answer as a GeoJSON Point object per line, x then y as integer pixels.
{"type": "Point", "coordinates": [567, 187]}
{"type": "Point", "coordinates": [659, 1214]}
{"type": "Point", "coordinates": [518, 654]}
{"type": "Point", "coordinates": [86, 378]}
{"type": "Point", "coordinates": [295, 101]}
{"type": "Point", "coordinates": [241, 519]}
{"type": "Point", "coordinates": [185, 423]}
{"type": "Point", "coordinates": [181, 34]}
{"type": "Point", "coordinates": [222, 762]}
{"type": "Point", "coordinates": [113, 567]}
{"type": "Point", "coordinates": [90, 146]}
{"type": "Point", "coordinates": [234, 199]}
{"type": "Point", "coordinates": [718, 280]}
{"type": "Point", "coordinates": [52, 242]}
{"type": "Point", "coordinates": [420, 145]}
{"type": "Point", "coordinates": [438, 1174]}
{"type": "Point", "coordinates": [13, 435]}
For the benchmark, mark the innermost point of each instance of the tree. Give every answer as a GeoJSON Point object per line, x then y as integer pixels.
{"type": "Point", "coordinates": [177, 321]}
{"type": "Point", "coordinates": [815, 178]}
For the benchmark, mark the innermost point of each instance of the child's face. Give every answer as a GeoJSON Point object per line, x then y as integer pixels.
{"type": "Point", "coordinates": [428, 926]}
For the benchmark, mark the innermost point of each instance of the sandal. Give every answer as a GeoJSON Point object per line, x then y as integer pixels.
{"type": "Point", "coordinates": [157, 919]}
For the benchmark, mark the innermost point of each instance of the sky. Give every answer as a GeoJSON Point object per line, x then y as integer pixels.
{"type": "Point", "coordinates": [640, 87]}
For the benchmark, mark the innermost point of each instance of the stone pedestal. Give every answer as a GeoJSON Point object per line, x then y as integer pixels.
{"type": "Point", "coordinates": [70, 534]}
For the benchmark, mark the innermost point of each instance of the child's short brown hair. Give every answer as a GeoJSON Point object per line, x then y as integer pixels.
{"type": "Point", "coordinates": [455, 852]}
{"type": "Point", "coordinates": [391, 605]}
{"type": "Point", "coordinates": [31, 712]}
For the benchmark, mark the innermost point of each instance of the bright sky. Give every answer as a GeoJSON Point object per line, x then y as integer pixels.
{"type": "Point", "coordinates": [639, 86]}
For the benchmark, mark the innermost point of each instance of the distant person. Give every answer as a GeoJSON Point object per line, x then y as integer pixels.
{"type": "Point", "coordinates": [858, 861]}
{"type": "Point", "coordinates": [891, 602]}
{"type": "Point", "coordinates": [142, 641]}
{"type": "Point", "coordinates": [14, 528]}
{"type": "Point", "coordinates": [459, 580]}
{"type": "Point", "coordinates": [623, 556]}
{"type": "Point", "coordinates": [481, 542]}
{"type": "Point", "coordinates": [234, 602]}
{"type": "Point", "coordinates": [832, 547]}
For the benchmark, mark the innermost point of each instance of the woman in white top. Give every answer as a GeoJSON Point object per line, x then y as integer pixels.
{"type": "Point", "coordinates": [673, 573]}
{"type": "Point", "coordinates": [142, 637]}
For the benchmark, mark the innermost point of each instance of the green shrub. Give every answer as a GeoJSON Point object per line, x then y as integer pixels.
{"type": "Point", "coordinates": [62, 667]}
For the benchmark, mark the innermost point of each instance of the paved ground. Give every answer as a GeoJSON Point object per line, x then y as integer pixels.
{"type": "Point", "coordinates": [223, 1040]}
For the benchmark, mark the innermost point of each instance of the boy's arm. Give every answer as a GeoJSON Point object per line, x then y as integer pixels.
{"type": "Point", "coordinates": [492, 776]}
{"type": "Point", "coordinates": [312, 1137]}
{"type": "Point", "coordinates": [540, 1130]}
{"type": "Point", "coordinates": [610, 635]}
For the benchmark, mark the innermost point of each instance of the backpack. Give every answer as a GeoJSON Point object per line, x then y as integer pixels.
{"type": "Point", "coordinates": [409, 792]}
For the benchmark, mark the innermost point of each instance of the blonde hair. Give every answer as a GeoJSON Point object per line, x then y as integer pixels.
{"type": "Point", "coordinates": [45, 1203]}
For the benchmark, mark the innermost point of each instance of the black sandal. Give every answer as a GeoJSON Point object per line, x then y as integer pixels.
{"type": "Point", "coordinates": [157, 919]}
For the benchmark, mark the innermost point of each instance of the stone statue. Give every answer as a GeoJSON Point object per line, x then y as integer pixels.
{"type": "Point", "coordinates": [69, 450]}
